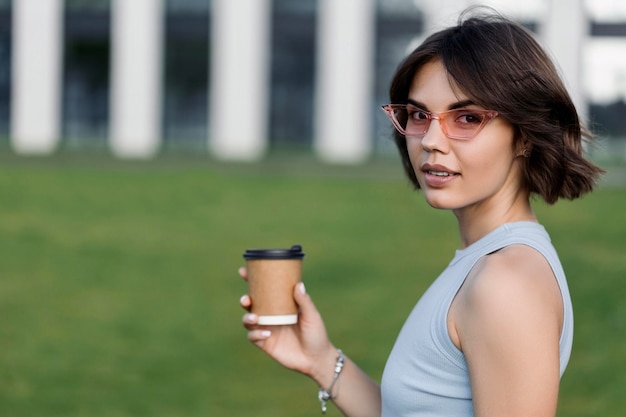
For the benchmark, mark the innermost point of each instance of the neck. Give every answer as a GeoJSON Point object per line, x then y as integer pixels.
{"type": "Point", "coordinates": [476, 221]}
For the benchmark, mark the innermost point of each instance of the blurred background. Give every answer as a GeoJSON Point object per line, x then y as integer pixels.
{"type": "Point", "coordinates": [145, 144]}
{"type": "Point", "coordinates": [138, 78]}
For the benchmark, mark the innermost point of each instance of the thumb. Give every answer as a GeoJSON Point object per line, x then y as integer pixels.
{"type": "Point", "coordinates": [303, 300]}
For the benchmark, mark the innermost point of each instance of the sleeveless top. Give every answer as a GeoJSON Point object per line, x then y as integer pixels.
{"type": "Point", "coordinates": [426, 374]}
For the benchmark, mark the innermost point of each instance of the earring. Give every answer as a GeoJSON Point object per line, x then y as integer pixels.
{"type": "Point", "coordinates": [526, 153]}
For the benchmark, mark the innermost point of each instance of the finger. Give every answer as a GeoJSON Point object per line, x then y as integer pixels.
{"type": "Point", "coordinates": [243, 273]}
{"type": "Point", "coordinates": [307, 307]}
{"type": "Point", "coordinates": [258, 336]}
{"type": "Point", "coordinates": [245, 302]}
{"type": "Point", "coordinates": [250, 321]}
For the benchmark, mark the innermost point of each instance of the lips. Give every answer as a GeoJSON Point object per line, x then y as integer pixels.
{"type": "Point", "coordinates": [438, 175]}
{"type": "Point", "coordinates": [438, 170]}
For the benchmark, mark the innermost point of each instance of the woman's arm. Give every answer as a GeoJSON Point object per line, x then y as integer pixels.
{"type": "Point", "coordinates": [354, 393]}
{"type": "Point", "coordinates": [507, 319]}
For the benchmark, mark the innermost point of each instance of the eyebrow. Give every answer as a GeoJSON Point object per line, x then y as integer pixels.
{"type": "Point", "coordinates": [453, 106]}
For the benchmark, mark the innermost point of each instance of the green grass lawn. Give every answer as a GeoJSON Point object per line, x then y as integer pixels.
{"type": "Point", "coordinates": [119, 293]}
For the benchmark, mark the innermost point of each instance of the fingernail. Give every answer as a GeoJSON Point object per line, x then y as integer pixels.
{"type": "Point", "coordinates": [243, 299]}
{"type": "Point", "coordinates": [265, 334]}
{"type": "Point", "coordinates": [302, 288]}
{"type": "Point", "coordinates": [250, 318]}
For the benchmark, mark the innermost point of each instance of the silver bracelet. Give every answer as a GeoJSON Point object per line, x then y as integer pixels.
{"type": "Point", "coordinates": [326, 394]}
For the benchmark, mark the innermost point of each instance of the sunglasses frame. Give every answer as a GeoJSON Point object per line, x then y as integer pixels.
{"type": "Point", "coordinates": [390, 111]}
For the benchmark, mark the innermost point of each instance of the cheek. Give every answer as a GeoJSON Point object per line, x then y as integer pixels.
{"type": "Point", "coordinates": [415, 151]}
{"type": "Point", "coordinates": [489, 164]}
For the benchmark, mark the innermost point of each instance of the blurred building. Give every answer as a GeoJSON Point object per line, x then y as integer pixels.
{"type": "Point", "coordinates": [237, 79]}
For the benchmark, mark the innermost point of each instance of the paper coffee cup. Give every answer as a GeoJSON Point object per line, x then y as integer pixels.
{"type": "Point", "coordinates": [272, 276]}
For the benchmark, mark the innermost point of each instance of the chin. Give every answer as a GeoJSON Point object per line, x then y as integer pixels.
{"type": "Point", "coordinates": [440, 202]}
{"type": "Point", "coordinates": [437, 203]}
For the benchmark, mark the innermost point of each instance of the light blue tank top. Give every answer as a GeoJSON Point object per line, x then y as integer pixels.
{"type": "Point", "coordinates": [426, 375]}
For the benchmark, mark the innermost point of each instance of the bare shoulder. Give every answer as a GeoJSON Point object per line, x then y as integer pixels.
{"type": "Point", "coordinates": [516, 270]}
{"type": "Point", "coordinates": [514, 286]}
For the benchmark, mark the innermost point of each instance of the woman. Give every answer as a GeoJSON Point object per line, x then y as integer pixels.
{"type": "Point", "coordinates": [483, 123]}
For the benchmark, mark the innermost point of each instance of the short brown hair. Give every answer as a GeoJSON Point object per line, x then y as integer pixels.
{"type": "Point", "coordinates": [498, 64]}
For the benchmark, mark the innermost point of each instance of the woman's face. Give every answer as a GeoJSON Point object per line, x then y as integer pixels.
{"type": "Point", "coordinates": [460, 174]}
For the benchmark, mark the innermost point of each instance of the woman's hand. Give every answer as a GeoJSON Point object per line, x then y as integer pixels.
{"type": "Point", "coordinates": [302, 347]}
{"type": "Point", "coordinates": [305, 347]}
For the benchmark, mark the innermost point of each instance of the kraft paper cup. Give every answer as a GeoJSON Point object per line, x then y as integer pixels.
{"type": "Point", "coordinates": [272, 276]}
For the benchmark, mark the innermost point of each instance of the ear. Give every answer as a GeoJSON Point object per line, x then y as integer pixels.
{"type": "Point", "coordinates": [523, 147]}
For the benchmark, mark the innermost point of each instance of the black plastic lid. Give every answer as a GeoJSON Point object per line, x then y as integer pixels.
{"type": "Point", "coordinates": [295, 252]}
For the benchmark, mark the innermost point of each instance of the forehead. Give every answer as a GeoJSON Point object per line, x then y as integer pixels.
{"type": "Point", "coordinates": [433, 86]}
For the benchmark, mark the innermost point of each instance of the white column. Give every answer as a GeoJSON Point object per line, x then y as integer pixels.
{"type": "Point", "coordinates": [344, 80]}
{"type": "Point", "coordinates": [36, 75]}
{"type": "Point", "coordinates": [240, 56]}
{"type": "Point", "coordinates": [564, 32]}
{"type": "Point", "coordinates": [136, 85]}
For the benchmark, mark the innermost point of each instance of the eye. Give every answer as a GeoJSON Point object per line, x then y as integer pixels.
{"type": "Point", "coordinates": [417, 115]}
{"type": "Point", "coordinates": [467, 117]}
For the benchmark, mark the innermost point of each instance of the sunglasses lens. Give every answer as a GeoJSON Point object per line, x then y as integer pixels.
{"type": "Point", "coordinates": [456, 124]}
{"type": "Point", "coordinates": [414, 122]}
{"type": "Point", "coordinates": [463, 123]}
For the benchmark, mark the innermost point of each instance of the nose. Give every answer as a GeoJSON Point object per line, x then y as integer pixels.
{"type": "Point", "coordinates": [435, 138]}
